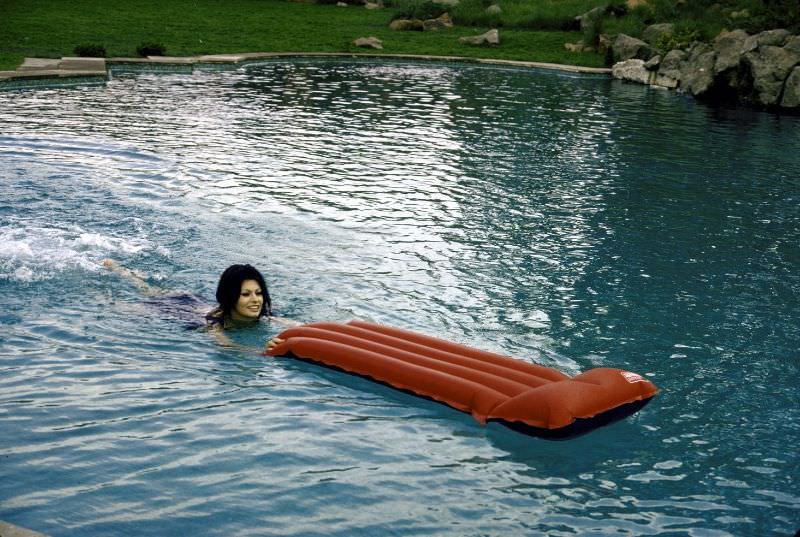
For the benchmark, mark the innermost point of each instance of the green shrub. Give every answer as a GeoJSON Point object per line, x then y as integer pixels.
{"type": "Point", "coordinates": [617, 8]}
{"type": "Point", "coordinates": [543, 15]}
{"type": "Point", "coordinates": [474, 14]}
{"type": "Point", "coordinates": [632, 24]}
{"type": "Point", "coordinates": [770, 14]}
{"type": "Point", "coordinates": [90, 50]}
{"type": "Point", "coordinates": [591, 34]}
{"type": "Point", "coordinates": [419, 9]}
{"type": "Point", "coordinates": [681, 38]}
{"type": "Point", "coordinates": [151, 49]}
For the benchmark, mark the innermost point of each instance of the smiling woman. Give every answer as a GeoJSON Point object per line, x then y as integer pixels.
{"type": "Point", "coordinates": [242, 295]}
{"type": "Point", "coordinates": [243, 298]}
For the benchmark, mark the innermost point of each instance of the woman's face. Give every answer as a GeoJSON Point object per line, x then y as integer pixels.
{"type": "Point", "coordinates": [251, 299]}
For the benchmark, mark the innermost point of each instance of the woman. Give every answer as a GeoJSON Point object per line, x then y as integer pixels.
{"type": "Point", "coordinates": [243, 298]}
{"type": "Point", "coordinates": [242, 295]}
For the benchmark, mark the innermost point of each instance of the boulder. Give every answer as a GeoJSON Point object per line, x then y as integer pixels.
{"type": "Point", "coordinates": [791, 90]}
{"type": "Point", "coordinates": [368, 42]}
{"type": "Point", "coordinates": [767, 68]}
{"type": "Point", "coordinates": [491, 38]}
{"type": "Point", "coordinates": [654, 32]}
{"type": "Point", "coordinates": [626, 47]}
{"type": "Point", "coordinates": [793, 44]}
{"type": "Point", "coordinates": [448, 3]}
{"type": "Point", "coordinates": [653, 63]}
{"type": "Point", "coordinates": [406, 25]}
{"type": "Point", "coordinates": [669, 70]}
{"type": "Point", "coordinates": [494, 9]}
{"type": "Point", "coordinates": [728, 46]}
{"type": "Point", "coordinates": [580, 46]}
{"type": "Point", "coordinates": [772, 38]}
{"type": "Point", "coordinates": [697, 72]}
{"type": "Point", "coordinates": [775, 38]}
{"type": "Point", "coordinates": [374, 5]}
{"type": "Point", "coordinates": [632, 70]}
{"type": "Point", "coordinates": [443, 21]}
{"type": "Point", "coordinates": [591, 17]}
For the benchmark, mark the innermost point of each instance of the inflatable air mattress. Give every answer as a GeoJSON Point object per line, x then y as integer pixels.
{"type": "Point", "coordinates": [529, 398]}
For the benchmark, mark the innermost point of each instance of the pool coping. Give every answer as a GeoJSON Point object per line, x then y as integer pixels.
{"type": "Point", "coordinates": [72, 69]}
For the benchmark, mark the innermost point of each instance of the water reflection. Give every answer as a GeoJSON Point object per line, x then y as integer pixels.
{"type": "Point", "coordinates": [572, 221]}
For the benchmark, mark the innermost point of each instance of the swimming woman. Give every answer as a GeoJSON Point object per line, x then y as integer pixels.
{"type": "Point", "coordinates": [242, 295]}
{"type": "Point", "coordinates": [243, 298]}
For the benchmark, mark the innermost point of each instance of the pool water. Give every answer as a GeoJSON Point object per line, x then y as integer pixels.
{"type": "Point", "coordinates": [573, 221]}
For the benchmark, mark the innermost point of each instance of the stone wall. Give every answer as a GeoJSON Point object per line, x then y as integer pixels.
{"type": "Point", "coordinates": [762, 70]}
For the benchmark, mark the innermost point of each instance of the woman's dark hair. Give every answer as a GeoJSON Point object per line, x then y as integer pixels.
{"type": "Point", "coordinates": [230, 287]}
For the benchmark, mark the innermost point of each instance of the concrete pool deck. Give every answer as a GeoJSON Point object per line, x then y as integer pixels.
{"type": "Point", "coordinates": [10, 530]}
{"type": "Point", "coordinates": [42, 70]}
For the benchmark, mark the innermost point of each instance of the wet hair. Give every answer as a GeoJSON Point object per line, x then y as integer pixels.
{"type": "Point", "coordinates": [230, 287]}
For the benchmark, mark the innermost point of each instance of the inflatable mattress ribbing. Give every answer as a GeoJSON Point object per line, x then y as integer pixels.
{"type": "Point", "coordinates": [530, 398]}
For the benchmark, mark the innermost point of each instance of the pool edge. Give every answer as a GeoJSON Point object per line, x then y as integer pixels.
{"type": "Point", "coordinates": [36, 72]}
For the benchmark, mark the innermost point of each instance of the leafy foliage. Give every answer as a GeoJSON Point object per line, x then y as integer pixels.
{"type": "Point", "coordinates": [681, 38]}
{"type": "Point", "coordinates": [151, 49]}
{"type": "Point", "coordinates": [418, 9]}
{"type": "Point", "coordinates": [90, 50]}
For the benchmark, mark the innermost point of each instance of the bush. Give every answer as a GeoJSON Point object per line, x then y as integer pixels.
{"type": "Point", "coordinates": [617, 8]}
{"type": "Point", "coordinates": [771, 14]}
{"type": "Point", "coordinates": [419, 9]}
{"type": "Point", "coordinates": [681, 38]}
{"type": "Point", "coordinates": [90, 50]}
{"type": "Point", "coordinates": [151, 49]}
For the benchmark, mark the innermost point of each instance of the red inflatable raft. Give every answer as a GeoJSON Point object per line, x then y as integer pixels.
{"type": "Point", "coordinates": [530, 398]}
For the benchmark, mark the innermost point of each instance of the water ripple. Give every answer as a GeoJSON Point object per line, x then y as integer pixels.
{"type": "Point", "coordinates": [570, 221]}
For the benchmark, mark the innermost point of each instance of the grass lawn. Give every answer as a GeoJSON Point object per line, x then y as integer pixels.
{"type": "Point", "coordinates": [52, 29]}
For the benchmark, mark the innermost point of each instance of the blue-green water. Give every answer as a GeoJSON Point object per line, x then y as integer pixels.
{"type": "Point", "coordinates": [571, 221]}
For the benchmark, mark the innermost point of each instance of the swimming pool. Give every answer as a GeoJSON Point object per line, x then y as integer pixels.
{"type": "Point", "coordinates": [569, 220]}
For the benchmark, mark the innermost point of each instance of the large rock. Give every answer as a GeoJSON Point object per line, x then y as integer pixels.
{"type": "Point", "coordinates": [368, 42]}
{"type": "Point", "coordinates": [771, 38]}
{"type": "Point", "coordinates": [669, 70]}
{"type": "Point", "coordinates": [793, 44]}
{"type": "Point", "coordinates": [697, 72]}
{"type": "Point", "coordinates": [491, 38]}
{"type": "Point", "coordinates": [494, 9]}
{"type": "Point", "coordinates": [580, 46]}
{"type": "Point", "coordinates": [654, 32]}
{"type": "Point", "coordinates": [443, 21]}
{"type": "Point", "coordinates": [633, 70]}
{"type": "Point", "coordinates": [728, 46]}
{"type": "Point", "coordinates": [768, 67]}
{"type": "Point", "coordinates": [407, 25]}
{"type": "Point", "coordinates": [791, 90]}
{"type": "Point", "coordinates": [653, 63]}
{"type": "Point", "coordinates": [626, 47]}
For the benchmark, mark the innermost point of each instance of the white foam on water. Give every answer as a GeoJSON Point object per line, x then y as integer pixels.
{"type": "Point", "coordinates": [33, 253]}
